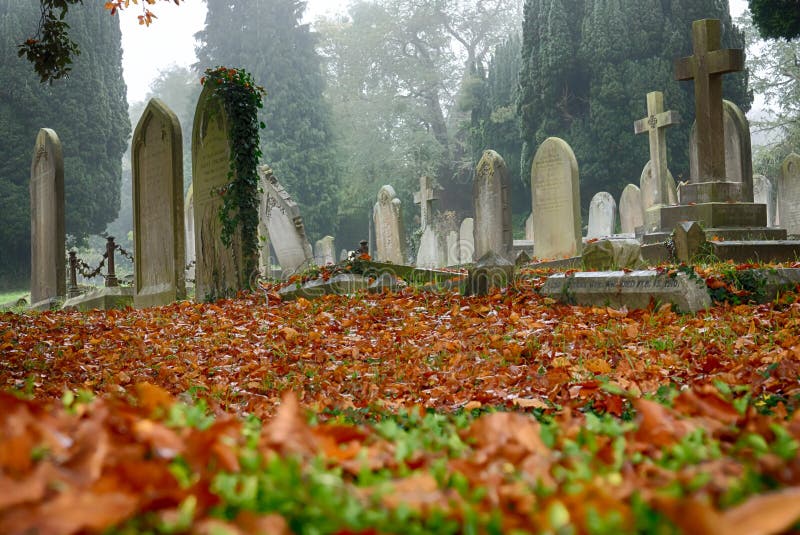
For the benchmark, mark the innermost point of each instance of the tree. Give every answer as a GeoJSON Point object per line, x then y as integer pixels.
{"type": "Point", "coordinates": [88, 111]}
{"type": "Point", "coordinates": [587, 81]}
{"type": "Point", "coordinates": [267, 39]}
{"type": "Point", "coordinates": [776, 19]}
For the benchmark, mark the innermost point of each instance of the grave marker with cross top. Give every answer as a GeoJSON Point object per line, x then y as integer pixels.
{"type": "Point", "coordinates": [425, 197]}
{"type": "Point", "coordinates": [655, 124]}
{"type": "Point", "coordinates": [706, 68]}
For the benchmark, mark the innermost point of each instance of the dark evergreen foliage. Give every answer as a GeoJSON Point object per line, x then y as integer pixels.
{"type": "Point", "coordinates": [267, 39]}
{"type": "Point", "coordinates": [776, 19]}
{"type": "Point", "coordinates": [587, 66]}
{"type": "Point", "coordinates": [88, 110]}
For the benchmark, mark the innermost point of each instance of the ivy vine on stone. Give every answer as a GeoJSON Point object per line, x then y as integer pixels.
{"type": "Point", "coordinates": [241, 99]}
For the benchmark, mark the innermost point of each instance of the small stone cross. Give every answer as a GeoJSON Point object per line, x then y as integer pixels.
{"type": "Point", "coordinates": [425, 197]}
{"type": "Point", "coordinates": [706, 68]}
{"type": "Point", "coordinates": [655, 124]}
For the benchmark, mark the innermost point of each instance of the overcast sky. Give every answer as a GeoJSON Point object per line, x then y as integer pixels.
{"type": "Point", "coordinates": [170, 39]}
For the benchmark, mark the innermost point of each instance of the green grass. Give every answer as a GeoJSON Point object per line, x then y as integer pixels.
{"type": "Point", "coordinates": [6, 297]}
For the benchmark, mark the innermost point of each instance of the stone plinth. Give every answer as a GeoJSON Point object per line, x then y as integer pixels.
{"type": "Point", "coordinates": [101, 299]}
{"type": "Point", "coordinates": [715, 215]}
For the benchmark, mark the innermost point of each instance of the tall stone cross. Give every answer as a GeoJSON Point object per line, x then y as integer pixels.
{"type": "Point", "coordinates": [655, 124]}
{"type": "Point", "coordinates": [425, 197]}
{"type": "Point", "coordinates": [706, 68]}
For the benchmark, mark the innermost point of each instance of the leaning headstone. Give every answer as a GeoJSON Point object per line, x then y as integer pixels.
{"type": "Point", "coordinates": [631, 213]}
{"type": "Point", "coordinates": [285, 226]}
{"type": "Point", "coordinates": [466, 241]}
{"type": "Point", "coordinates": [789, 194]}
{"type": "Point", "coordinates": [220, 269]}
{"type": "Point", "coordinates": [738, 151]}
{"type": "Point", "coordinates": [48, 237]}
{"type": "Point", "coordinates": [602, 216]}
{"type": "Point", "coordinates": [325, 251]}
{"type": "Point", "coordinates": [763, 194]}
{"type": "Point", "coordinates": [630, 289]}
{"type": "Point", "coordinates": [556, 201]}
{"type": "Point", "coordinates": [387, 218]}
{"type": "Point", "coordinates": [493, 231]}
{"type": "Point", "coordinates": [188, 225]}
{"type": "Point", "coordinates": [158, 222]}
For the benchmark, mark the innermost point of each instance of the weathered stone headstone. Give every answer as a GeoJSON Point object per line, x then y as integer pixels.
{"type": "Point", "coordinates": [655, 125]}
{"type": "Point", "coordinates": [343, 255]}
{"type": "Point", "coordinates": [789, 194]}
{"type": "Point", "coordinates": [648, 185]}
{"type": "Point", "coordinates": [635, 289]}
{"type": "Point", "coordinates": [689, 239]}
{"type": "Point", "coordinates": [556, 201]}
{"type": "Point", "coordinates": [158, 222]}
{"type": "Point", "coordinates": [285, 227]}
{"type": "Point", "coordinates": [529, 234]}
{"type": "Point", "coordinates": [491, 271]}
{"type": "Point", "coordinates": [390, 239]}
{"type": "Point", "coordinates": [431, 253]}
{"type": "Point", "coordinates": [738, 151]}
{"type": "Point", "coordinates": [617, 253]}
{"type": "Point", "coordinates": [493, 231]}
{"type": "Point", "coordinates": [424, 198]}
{"type": "Point", "coordinates": [188, 224]}
{"type": "Point", "coordinates": [48, 235]}
{"type": "Point", "coordinates": [219, 270]}
{"type": "Point", "coordinates": [466, 241]}
{"type": "Point", "coordinates": [602, 216]}
{"type": "Point", "coordinates": [763, 194]}
{"type": "Point", "coordinates": [453, 252]}
{"type": "Point", "coordinates": [631, 212]}
{"type": "Point", "coordinates": [325, 251]}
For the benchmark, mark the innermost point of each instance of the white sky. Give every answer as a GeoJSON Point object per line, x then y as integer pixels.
{"type": "Point", "coordinates": [170, 39]}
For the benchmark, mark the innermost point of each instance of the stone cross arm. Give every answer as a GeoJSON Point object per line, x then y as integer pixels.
{"type": "Point", "coordinates": [716, 62]}
{"type": "Point", "coordinates": [661, 120]}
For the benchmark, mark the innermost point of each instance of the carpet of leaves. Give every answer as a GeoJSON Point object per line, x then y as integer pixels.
{"type": "Point", "coordinates": [408, 413]}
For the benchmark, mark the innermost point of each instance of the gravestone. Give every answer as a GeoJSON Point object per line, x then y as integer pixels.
{"type": "Point", "coordinates": [602, 216]}
{"type": "Point", "coordinates": [285, 226]}
{"type": "Point", "coordinates": [763, 193]}
{"type": "Point", "coordinates": [529, 234]}
{"type": "Point", "coordinates": [424, 198]}
{"type": "Point", "coordinates": [789, 194]}
{"type": "Point", "coordinates": [158, 221]}
{"type": "Point", "coordinates": [432, 251]}
{"type": "Point", "coordinates": [453, 252]}
{"type": "Point", "coordinates": [556, 201]}
{"type": "Point", "coordinates": [633, 289]}
{"type": "Point", "coordinates": [188, 224]}
{"type": "Point", "coordinates": [390, 239]}
{"type": "Point", "coordinates": [738, 151]}
{"type": "Point", "coordinates": [219, 271]}
{"type": "Point", "coordinates": [48, 236]}
{"type": "Point", "coordinates": [325, 251]}
{"type": "Point", "coordinates": [631, 212]}
{"type": "Point", "coordinates": [466, 241]}
{"type": "Point", "coordinates": [493, 231]}
{"type": "Point", "coordinates": [612, 253]}
{"type": "Point", "coordinates": [657, 185]}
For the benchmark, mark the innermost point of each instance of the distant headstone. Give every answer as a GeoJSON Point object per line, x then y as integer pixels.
{"type": "Point", "coordinates": [158, 221]}
{"type": "Point", "coordinates": [602, 216]}
{"type": "Point", "coordinates": [633, 290]}
{"type": "Point", "coordinates": [285, 226]}
{"type": "Point", "coordinates": [493, 231]}
{"type": "Point", "coordinates": [325, 251]}
{"type": "Point", "coordinates": [424, 198]}
{"type": "Point", "coordinates": [219, 271]}
{"type": "Point", "coordinates": [390, 239]}
{"type": "Point", "coordinates": [466, 241]}
{"type": "Point", "coordinates": [738, 151]}
{"type": "Point", "coordinates": [431, 253]}
{"type": "Point", "coordinates": [763, 194]}
{"type": "Point", "coordinates": [556, 201]}
{"type": "Point", "coordinates": [188, 225]}
{"type": "Point", "coordinates": [343, 255]}
{"type": "Point", "coordinates": [48, 237]}
{"type": "Point", "coordinates": [789, 194]}
{"type": "Point", "coordinates": [529, 234]}
{"type": "Point", "coordinates": [453, 256]}
{"type": "Point", "coordinates": [631, 213]}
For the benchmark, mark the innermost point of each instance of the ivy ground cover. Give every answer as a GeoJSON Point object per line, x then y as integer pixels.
{"type": "Point", "coordinates": [405, 413]}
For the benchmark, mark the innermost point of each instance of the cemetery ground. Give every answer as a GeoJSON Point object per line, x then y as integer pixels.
{"type": "Point", "coordinates": [412, 412]}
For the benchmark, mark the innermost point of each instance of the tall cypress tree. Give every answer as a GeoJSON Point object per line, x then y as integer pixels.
{"type": "Point", "coordinates": [88, 110]}
{"type": "Point", "coordinates": [267, 39]}
{"type": "Point", "coordinates": [587, 66]}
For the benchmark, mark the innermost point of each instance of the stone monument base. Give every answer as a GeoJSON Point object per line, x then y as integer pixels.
{"type": "Point", "coordinates": [46, 304]}
{"type": "Point", "coordinates": [716, 215]}
{"type": "Point", "coordinates": [101, 299]}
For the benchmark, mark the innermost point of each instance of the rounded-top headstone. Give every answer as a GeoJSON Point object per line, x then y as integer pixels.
{"type": "Point", "coordinates": [555, 191]}
{"type": "Point", "coordinates": [388, 223]}
{"type": "Point", "coordinates": [602, 215]}
{"type": "Point", "coordinates": [492, 231]}
{"type": "Point", "coordinates": [631, 214]}
{"type": "Point", "coordinates": [648, 185]}
{"type": "Point", "coordinates": [789, 194]}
